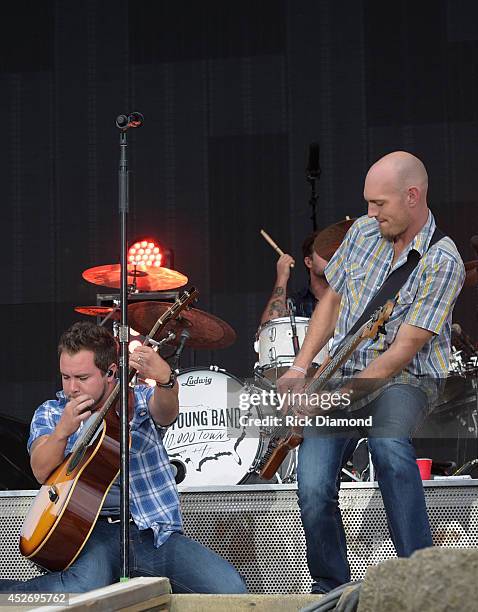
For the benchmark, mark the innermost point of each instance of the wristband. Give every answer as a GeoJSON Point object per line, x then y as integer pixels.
{"type": "Point", "coordinates": [298, 369]}
{"type": "Point", "coordinates": [170, 383]}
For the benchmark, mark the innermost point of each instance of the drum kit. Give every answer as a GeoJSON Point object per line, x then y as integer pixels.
{"type": "Point", "coordinates": [210, 443]}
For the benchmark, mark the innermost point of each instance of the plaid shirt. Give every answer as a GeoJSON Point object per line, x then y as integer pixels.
{"type": "Point", "coordinates": [154, 501]}
{"type": "Point", "coordinates": [359, 268]}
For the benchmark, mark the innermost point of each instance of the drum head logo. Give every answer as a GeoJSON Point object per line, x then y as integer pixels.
{"type": "Point", "coordinates": [208, 435]}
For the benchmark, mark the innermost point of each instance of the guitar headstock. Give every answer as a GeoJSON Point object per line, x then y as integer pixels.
{"type": "Point", "coordinates": [376, 324]}
{"type": "Point", "coordinates": [181, 302]}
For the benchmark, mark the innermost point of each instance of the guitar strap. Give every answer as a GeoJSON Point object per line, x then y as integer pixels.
{"type": "Point", "coordinates": [393, 283]}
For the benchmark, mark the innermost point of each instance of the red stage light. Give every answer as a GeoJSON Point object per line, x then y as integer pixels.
{"type": "Point", "coordinates": [145, 253]}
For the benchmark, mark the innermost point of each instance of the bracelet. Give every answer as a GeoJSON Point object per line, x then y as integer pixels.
{"type": "Point", "coordinates": [298, 369]}
{"type": "Point", "coordinates": [170, 383]}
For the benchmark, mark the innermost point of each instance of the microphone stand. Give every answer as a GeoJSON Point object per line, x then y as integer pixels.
{"type": "Point", "coordinates": [312, 174]}
{"type": "Point", "coordinates": [124, 122]}
{"type": "Point", "coordinates": [313, 201]}
{"type": "Point", "coordinates": [295, 338]}
{"type": "Point", "coordinates": [183, 338]}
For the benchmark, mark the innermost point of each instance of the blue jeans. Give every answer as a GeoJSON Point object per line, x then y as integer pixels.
{"type": "Point", "coordinates": [190, 567]}
{"type": "Point", "coordinates": [398, 410]}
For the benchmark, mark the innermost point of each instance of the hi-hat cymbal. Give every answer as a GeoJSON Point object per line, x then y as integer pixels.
{"type": "Point", "coordinates": [329, 239]}
{"type": "Point", "coordinates": [471, 278]}
{"type": "Point", "coordinates": [206, 330]}
{"type": "Point", "coordinates": [99, 311]}
{"type": "Point", "coordinates": [144, 278]}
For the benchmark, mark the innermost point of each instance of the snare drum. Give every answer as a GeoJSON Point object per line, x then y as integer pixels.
{"type": "Point", "coordinates": [214, 443]}
{"type": "Point", "coordinates": [275, 347]}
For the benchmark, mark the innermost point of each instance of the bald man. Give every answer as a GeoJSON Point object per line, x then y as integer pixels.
{"type": "Point", "coordinates": [403, 368]}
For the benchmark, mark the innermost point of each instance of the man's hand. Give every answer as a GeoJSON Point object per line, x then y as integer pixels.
{"type": "Point", "coordinates": [284, 264]}
{"type": "Point", "coordinates": [76, 411]}
{"type": "Point", "coordinates": [150, 364]}
{"type": "Point", "coordinates": [289, 383]}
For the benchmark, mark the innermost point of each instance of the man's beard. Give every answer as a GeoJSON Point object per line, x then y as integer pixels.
{"type": "Point", "coordinates": [391, 236]}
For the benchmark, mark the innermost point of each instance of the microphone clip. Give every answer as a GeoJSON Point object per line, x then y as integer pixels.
{"type": "Point", "coordinates": [133, 120]}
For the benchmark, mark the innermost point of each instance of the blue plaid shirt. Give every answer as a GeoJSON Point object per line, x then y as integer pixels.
{"type": "Point", "coordinates": [154, 500]}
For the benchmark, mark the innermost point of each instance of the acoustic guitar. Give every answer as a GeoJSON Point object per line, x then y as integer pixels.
{"type": "Point", "coordinates": [67, 505]}
{"type": "Point", "coordinates": [283, 440]}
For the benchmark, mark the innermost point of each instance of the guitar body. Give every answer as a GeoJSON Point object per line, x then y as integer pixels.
{"type": "Point", "coordinates": [67, 506]}
{"type": "Point", "coordinates": [278, 453]}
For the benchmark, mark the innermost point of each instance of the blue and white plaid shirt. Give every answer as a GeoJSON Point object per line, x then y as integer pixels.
{"type": "Point", "coordinates": [154, 500]}
{"type": "Point", "coordinates": [359, 268]}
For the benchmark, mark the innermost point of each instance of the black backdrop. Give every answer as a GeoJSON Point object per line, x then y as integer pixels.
{"type": "Point", "coordinates": [232, 93]}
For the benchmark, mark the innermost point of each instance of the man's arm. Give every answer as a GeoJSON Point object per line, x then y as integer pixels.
{"type": "Point", "coordinates": [321, 328]}
{"type": "Point", "coordinates": [48, 451]}
{"type": "Point", "coordinates": [408, 342]}
{"type": "Point", "coordinates": [276, 306]}
{"type": "Point", "coordinates": [164, 403]}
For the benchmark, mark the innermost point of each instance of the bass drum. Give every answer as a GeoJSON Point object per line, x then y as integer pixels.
{"type": "Point", "coordinates": [213, 435]}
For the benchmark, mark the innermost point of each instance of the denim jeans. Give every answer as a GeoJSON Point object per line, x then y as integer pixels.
{"type": "Point", "coordinates": [190, 567]}
{"type": "Point", "coordinates": [396, 414]}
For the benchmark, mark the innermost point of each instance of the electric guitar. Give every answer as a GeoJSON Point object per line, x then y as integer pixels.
{"type": "Point", "coordinates": [67, 505]}
{"type": "Point", "coordinates": [283, 440]}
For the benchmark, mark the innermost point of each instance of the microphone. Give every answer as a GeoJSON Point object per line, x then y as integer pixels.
{"type": "Point", "coordinates": [133, 120]}
{"type": "Point", "coordinates": [313, 166]}
{"type": "Point", "coordinates": [474, 243]}
{"type": "Point", "coordinates": [466, 341]}
{"type": "Point", "coordinates": [183, 338]}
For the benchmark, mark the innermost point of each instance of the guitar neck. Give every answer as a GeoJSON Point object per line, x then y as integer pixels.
{"type": "Point", "coordinates": [334, 364]}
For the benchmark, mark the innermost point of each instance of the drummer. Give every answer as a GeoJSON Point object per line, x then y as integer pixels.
{"type": "Point", "coordinates": [306, 298]}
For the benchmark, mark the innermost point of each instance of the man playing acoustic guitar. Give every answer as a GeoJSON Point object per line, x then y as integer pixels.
{"type": "Point", "coordinates": [88, 363]}
{"type": "Point", "coordinates": [404, 366]}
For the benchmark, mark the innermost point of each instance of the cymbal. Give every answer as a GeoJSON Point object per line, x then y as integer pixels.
{"type": "Point", "coordinates": [207, 331]}
{"type": "Point", "coordinates": [471, 278]}
{"type": "Point", "coordinates": [99, 311]}
{"type": "Point", "coordinates": [145, 278]}
{"type": "Point", "coordinates": [329, 239]}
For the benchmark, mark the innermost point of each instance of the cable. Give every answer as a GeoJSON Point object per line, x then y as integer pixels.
{"type": "Point", "coordinates": [330, 600]}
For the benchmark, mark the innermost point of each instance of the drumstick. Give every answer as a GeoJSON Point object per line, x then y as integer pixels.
{"type": "Point", "coordinates": [276, 248]}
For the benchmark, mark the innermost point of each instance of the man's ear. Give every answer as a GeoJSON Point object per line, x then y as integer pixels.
{"type": "Point", "coordinates": [308, 262]}
{"type": "Point", "coordinates": [413, 196]}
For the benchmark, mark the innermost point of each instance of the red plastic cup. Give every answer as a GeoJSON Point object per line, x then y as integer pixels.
{"type": "Point", "coordinates": [425, 468]}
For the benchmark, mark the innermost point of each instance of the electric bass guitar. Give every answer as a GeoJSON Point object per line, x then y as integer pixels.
{"type": "Point", "coordinates": [67, 506]}
{"type": "Point", "coordinates": [283, 440]}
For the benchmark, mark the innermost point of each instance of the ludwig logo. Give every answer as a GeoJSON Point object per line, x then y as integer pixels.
{"type": "Point", "coordinates": [192, 381]}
